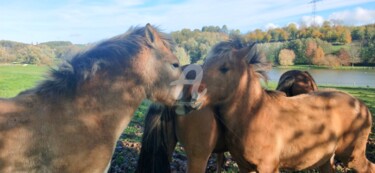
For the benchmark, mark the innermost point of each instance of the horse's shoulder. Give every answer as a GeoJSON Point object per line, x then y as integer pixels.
{"type": "Point", "coordinates": [331, 93]}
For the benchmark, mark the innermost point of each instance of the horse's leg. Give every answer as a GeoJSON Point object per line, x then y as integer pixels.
{"type": "Point", "coordinates": [243, 170]}
{"type": "Point", "coordinates": [219, 161]}
{"type": "Point", "coordinates": [352, 153]}
{"type": "Point", "coordinates": [197, 162]}
{"type": "Point", "coordinates": [197, 133]}
{"type": "Point", "coordinates": [268, 165]}
{"type": "Point", "coordinates": [329, 166]}
{"type": "Point", "coordinates": [268, 169]}
{"type": "Point", "coordinates": [360, 163]}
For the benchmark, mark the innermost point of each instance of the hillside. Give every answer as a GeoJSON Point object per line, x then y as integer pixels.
{"type": "Point", "coordinates": [326, 45]}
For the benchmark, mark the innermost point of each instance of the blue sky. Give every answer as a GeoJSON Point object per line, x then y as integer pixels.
{"type": "Point", "coordinates": [86, 21]}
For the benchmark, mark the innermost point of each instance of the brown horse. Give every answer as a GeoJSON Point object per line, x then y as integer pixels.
{"type": "Point", "coordinates": [267, 131]}
{"type": "Point", "coordinates": [70, 122]}
{"type": "Point", "coordinates": [295, 82]}
{"type": "Point", "coordinates": [199, 132]}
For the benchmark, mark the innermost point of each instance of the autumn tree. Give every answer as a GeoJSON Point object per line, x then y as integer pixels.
{"type": "Point", "coordinates": [358, 33]}
{"type": "Point", "coordinates": [33, 55]}
{"type": "Point", "coordinates": [182, 56]}
{"type": "Point", "coordinates": [302, 33]}
{"type": "Point", "coordinates": [368, 50]}
{"type": "Point", "coordinates": [5, 56]}
{"type": "Point", "coordinates": [298, 48]}
{"type": "Point", "coordinates": [331, 60]}
{"type": "Point", "coordinates": [314, 52]}
{"type": "Point", "coordinates": [315, 33]}
{"type": "Point", "coordinates": [197, 43]}
{"type": "Point", "coordinates": [283, 36]}
{"type": "Point", "coordinates": [267, 38]}
{"type": "Point", "coordinates": [292, 30]}
{"type": "Point", "coordinates": [271, 51]}
{"type": "Point", "coordinates": [318, 56]}
{"type": "Point", "coordinates": [286, 57]}
{"type": "Point", "coordinates": [343, 57]}
{"type": "Point", "coordinates": [311, 46]}
{"type": "Point", "coordinates": [224, 29]}
{"type": "Point", "coordinates": [275, 35]}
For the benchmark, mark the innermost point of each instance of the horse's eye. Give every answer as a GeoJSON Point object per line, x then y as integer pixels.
{"type": "Point", "coordinates": [224, 69]}
{"type": "Point", "coordinates": [176, 65]}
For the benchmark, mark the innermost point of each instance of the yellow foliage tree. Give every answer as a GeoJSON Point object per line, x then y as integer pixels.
{"type": "Point", "coordinates": [286, 57]}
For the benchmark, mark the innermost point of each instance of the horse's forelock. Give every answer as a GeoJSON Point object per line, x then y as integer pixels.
{"type": "Point", "coordinates": [223, 50]}
{"type": "Point", "coordinates": [258, 61]}
{"type": "Point", "coordinates": [254, 57]}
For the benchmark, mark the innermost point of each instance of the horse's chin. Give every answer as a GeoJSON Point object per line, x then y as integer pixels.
{"type": "Point", "coordinates": [183, 108]}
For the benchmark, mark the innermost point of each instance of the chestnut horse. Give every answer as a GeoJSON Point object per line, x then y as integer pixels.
{"type": "Point", "coordinates": [199, 132]}
{"type": "Point", "coordinates": [267, 131]}
{"type": "Point", "coordinates": [71, 122]}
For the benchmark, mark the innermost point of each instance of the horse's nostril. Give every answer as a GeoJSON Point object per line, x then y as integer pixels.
{"type": "Point", "coordinates": [176, 65]}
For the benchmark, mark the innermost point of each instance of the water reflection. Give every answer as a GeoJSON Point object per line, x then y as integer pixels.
{"type": "Point", "coordinates": [357, 78]}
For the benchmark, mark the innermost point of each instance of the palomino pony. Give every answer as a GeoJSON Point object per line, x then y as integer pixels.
{"type": "Point", "coordinates": [70, 122]}
{"type": "Point", "coordinates": [295, 82]}
{"type": "Point", "coordinates": [199, 132]}
{"type": "Point", "coordinates": [267, 131]}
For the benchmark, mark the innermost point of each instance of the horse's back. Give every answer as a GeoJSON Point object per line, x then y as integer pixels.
{"type": "Point", "coordinates": [295, 82]}
{"type": "Point", "coordinates": [316, 124]}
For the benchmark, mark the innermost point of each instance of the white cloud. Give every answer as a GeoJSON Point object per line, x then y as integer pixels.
{"type": "Point", "coordinates": [129, 2]}
{"type": "Point", "coordinates": [309, 20]}
{"type": "Point", "coordinates": [359, 16]}
{"type": "Point", "coordinates": [271, 26]}
{"type": "Point", "coordinates": [98, 20]}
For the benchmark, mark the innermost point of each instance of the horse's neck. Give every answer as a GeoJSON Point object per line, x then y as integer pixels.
{"type": "Point", "coordinates": [113, 104]}
{"type": "Point", "coordinates": [248, 98]}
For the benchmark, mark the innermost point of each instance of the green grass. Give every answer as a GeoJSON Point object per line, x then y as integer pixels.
{"type": "Point", "coordinates": [367, 95]}
{"type": "Point", "coordinates": [17, 78]}
{"type": "Point", "coordinates": [336, 48]}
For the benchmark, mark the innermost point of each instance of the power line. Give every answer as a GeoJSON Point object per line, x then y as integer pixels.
{"type": "Point", "coordinates": [314, 10]}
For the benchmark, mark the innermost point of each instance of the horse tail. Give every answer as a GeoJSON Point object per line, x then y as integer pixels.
{"type": "Point", "coordinates": [158, 140]}
{"type": "Point", "coordinates": [313, 83]}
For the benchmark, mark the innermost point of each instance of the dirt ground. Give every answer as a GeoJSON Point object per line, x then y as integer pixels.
{"type": "Point", "coordinates": [126, 156]}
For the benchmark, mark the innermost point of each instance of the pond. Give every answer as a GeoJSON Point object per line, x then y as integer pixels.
{"type": "Point", "coordinates": [356, 78]}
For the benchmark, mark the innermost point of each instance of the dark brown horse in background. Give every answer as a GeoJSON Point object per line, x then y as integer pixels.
{"type": "Point", "coordinates": [71, 122]}
{"type": "Point", "coordinates": [267, 131]}
{"type": "Point", "coordinates": [199, 132]}
{"type": "Point", "coordinates": [295, 82]}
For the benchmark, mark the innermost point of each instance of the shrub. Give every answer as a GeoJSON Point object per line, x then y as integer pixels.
{"type": "Point", "coordinates": [343, 57]}
{"type": "Point", "coordinates": [286, 57]}
{"type": "Point", "coordinates": [332, 60]}
{"type": "Point", "coordinates": [318, 57]}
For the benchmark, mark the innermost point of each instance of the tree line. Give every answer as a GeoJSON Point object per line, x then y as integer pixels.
{"type": "Point", "coordinates": [329, 44]}
{"type": "Point", "coordinates": [47, 53]}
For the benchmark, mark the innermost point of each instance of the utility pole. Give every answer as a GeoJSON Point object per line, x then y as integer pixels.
{"type": "Point", "coordinates": [314, 10]}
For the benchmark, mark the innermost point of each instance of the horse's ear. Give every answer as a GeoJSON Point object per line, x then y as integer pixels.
{"type": "Point", "coordinates": [150, 33]}
{"type": "Point", "coordinates": [253, 52]}
{"type": "Point", "coordinates": [241, 53]}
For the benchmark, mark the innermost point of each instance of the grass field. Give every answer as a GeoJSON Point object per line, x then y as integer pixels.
{"type": "Point", "coordinates": [14, 79]}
